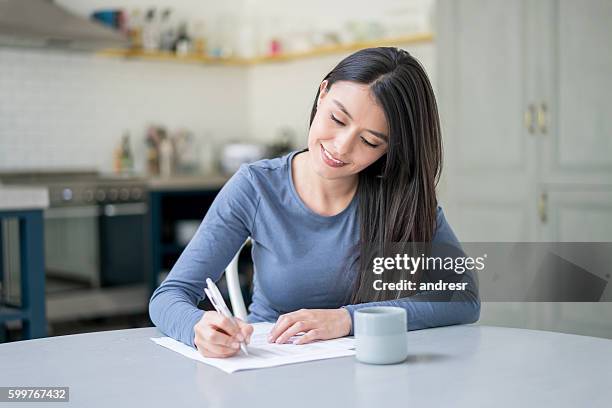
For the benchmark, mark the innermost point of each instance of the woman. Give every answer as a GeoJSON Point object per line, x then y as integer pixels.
{"type": "Point", "coordinates": [368, 176]}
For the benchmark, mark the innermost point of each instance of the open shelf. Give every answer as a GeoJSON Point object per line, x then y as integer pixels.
{"type": "Point", "coordinates": [236, 61]}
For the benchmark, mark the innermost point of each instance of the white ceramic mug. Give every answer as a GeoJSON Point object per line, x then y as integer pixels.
{"type": "Point", "coordinates": [380, 335]}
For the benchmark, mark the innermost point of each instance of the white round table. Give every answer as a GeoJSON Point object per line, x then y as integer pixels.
{"type": "Point", "coordinates": [455, 366]}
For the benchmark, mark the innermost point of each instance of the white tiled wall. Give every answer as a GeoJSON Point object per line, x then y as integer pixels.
{"type": "Point", "coordinates": [70, 109]}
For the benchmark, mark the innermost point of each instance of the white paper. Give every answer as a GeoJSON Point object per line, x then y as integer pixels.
{"type": "Point", "coordinates": [263, 354]}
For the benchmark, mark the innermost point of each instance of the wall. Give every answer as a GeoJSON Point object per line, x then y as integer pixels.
{"type": "Point", "coordinates": [277, 100]}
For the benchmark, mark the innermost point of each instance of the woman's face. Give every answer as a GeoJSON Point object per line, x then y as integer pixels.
{"type": "Point", "coordinates": [349, 131]}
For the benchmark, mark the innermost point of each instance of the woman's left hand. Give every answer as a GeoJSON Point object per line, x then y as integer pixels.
{"type": "Point", "coordinates": [318, 324]}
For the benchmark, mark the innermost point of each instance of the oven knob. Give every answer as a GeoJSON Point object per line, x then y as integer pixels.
{"type": "Point", "coordinates": [67, 194]}
{"type": "Point", "coordinates": [100, 195]}
{"type": "Point", "coordinates": [136, 193]}
{"type": "Point", "coordinates": [124, 194]}
{"type": "Point", "coordinates": [56, 197]}
{"type": "Point", "coordinates": [88, 196]}
{"type": "Point", "coordinates": [113, 194]}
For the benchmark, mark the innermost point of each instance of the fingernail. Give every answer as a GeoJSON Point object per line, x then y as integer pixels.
{"type": "Point", "coordinates": [278, 341]}
{"type": "Point", "coordinates": [235, 345]}
{"type": "Point", "coordinates": [269, 338]}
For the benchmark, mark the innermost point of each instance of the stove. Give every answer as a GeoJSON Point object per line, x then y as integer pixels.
{"type": "Point", "coordinates": [95, 238]}
{"type": "Point", "coordinates": [84, 187]}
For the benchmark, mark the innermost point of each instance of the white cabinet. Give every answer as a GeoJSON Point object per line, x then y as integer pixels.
{"type": "Point", "coordinates": [485, 82]}
{"type": "Point", "coordinates": [524, 94]}
{"type": "Point", "coordinates": [524, 89]}
{"type": "Point", "coordinates": [575, 83]}
{"type": "Point", "coordinates": [578, 216]}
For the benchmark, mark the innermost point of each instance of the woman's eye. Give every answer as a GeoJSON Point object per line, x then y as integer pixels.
{"type": "Point", "coordinates": [368, 143]}
{"type": "Point", "coordinates": [335, 120]}
{"type": "Point", "coordinates": [362, 138]}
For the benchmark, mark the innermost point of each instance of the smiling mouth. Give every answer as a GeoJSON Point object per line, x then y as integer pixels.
{"type": "Point", "coordinates": [330, 160]}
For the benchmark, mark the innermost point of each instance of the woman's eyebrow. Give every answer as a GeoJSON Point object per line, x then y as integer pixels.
{"type": "Point", "coordinates": [375, 133]}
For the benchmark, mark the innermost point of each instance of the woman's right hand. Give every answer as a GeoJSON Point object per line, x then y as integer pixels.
{"type": "Point", "coordinates": [217, 336]}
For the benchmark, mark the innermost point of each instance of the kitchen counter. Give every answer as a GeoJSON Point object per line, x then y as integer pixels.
{"type": "Point", "coordinates": [16, 198]}
{"type": "Point", "coordinates": [192, 182]}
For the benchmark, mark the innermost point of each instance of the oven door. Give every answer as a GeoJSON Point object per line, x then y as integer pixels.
{"type": "Point", "coordinates": [123, 244]}
{"type": "Point", "coordinates": [71, 244]}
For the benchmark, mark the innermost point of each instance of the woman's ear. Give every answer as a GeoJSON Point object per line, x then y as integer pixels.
{"type": "Point", "coordinates": [322, 91]}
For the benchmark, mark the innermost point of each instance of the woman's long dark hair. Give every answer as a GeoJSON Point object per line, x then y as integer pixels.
{"type": "Point", "coordinates": [397, 197]}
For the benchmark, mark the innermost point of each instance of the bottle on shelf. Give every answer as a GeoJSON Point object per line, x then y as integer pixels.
{"type": "Point", "coordinates": [152, 161]}
{"type": "Point", "coordinates": [134, 25]}
{"type": "Point", "coordinates": [127, 159]}
{"type": "Point", "coordinates": [168, 31]}
{"type": "Point", "coordinates": [182, 45]}
{"type": "Point", "coordinates": [150, 32]}
{"type": "Point", "coordinates": [166, 157]}
{"type": "Point", "coordinates": [199, 38]}
{"type": "Point", "coordinates": [117, 159]}
{"type": "Point", "coordinates": [153, 137]}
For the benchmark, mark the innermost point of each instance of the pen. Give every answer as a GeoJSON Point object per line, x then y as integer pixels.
{"type": "Point", "coordinates": [212, 292]}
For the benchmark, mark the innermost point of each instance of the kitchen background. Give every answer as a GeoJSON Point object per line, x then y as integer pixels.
{"type": "Point", "coordinates": [139, 136]}
{"type": "Point", "coordinates": [55, 101]}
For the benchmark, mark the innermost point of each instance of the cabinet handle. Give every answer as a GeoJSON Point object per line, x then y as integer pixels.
{"type": "Point", "coordinates": [529, 117]}
{"type": "Point", "coordinates": [542, 207]}
{"type": "Point", "coordinates": [542, 119]}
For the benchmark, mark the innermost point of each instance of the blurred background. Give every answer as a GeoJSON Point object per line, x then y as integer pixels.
{"type": "Point", "coordinates": [121, 120]}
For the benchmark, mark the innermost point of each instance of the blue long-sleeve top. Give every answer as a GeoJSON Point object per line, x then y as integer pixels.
{"type": "Point", "coordinates": [300, 257]}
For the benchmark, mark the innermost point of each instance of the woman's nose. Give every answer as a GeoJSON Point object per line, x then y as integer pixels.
{"type": "Point", "coordinates": [343, 144]}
